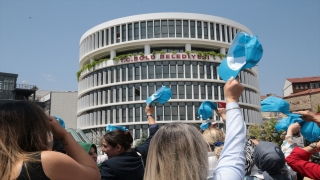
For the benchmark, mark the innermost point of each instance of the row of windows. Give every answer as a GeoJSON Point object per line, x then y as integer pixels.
{"type": "Point", "coordinates": [180, 90]}
{"type": "Point", "coordinates": [301, 86]}
{"type": "Point", "coordinates": [174, 111]}
{"type": "Point", "coordinates": [158, 70]}
{"type": "Point", "coordinates": [158, 29]}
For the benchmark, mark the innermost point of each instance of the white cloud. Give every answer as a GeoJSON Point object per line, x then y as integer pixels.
{"type": "Point", "coordinates": [48, 77]}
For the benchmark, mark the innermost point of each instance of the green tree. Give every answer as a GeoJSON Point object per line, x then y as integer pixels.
{"type": "Point", "coordinates": [142, 140]}
{"type": "Point", "coordinates": [268, 127]}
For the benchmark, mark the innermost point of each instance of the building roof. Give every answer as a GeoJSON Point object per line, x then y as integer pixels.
{"type": "Point", "coordinates": [262, 97]}
{"type": "Point", "coordinates": [309, 91]}
{"type": "Point", "coordinates": [304, 79]}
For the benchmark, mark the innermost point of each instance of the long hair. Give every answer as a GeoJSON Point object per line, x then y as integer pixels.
{"type": "Point", "coordinates": [177, 151]}
{"type": "Point", "coordinates": [24, 129]}
{"type": "Point", "coordinates": [213, 135]}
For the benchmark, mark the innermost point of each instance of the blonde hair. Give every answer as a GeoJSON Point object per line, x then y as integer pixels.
{"type": "Point", "coordinates": [177, 151]}
{"type": "Point", "coordinates": [23, 132]}
{"type": "Point", "coordinates": [212, 135]}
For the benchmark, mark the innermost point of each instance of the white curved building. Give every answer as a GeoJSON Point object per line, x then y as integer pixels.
{"type": "Point", "coordinates": [123, 61]}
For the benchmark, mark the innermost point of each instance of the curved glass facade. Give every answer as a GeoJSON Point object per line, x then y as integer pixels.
{"type": "Point", "coordinates": [115, 93]}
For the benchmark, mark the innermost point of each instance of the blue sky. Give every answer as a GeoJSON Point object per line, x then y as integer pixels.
{"type": "Point", "coordinates": [39, 40]}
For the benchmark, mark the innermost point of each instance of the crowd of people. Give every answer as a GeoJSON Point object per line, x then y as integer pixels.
{"type": "Point", "coordinates": [175, 151]}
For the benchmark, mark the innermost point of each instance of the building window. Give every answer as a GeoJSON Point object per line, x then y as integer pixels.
{"type": "Point", "coordinates": [232, 33]}
{"type": "Point", "coordinates": [164, 28]}
{"type": "Point", "coordinates": [174, 90]}
{"type": "Point", "coordinates": [151, 89]}
{"type": "Point", "coordinates": [221, 92]}
{"type": "Point", "coordinates": [223, 33]}
{"type": "Point", "coordinates": [192, 29]}
{"type": "Point", "coordinates": [144, 92]}
{"type": "Point", "coordinates": [297, 86]}
{"type": "Point", "coordinates": [190, 111]}
{"type": "Point", "coordinates": [130, 92]}
{"type": "Point", "coordinates": [158, 70]}
{"type": "Point", "coordinates": [171, 28]}
{"type": "Point", "coordinates": [118, 34]}
{"type": "Point", "coordinates": [143, 30]}
{"type": "Point", "coordinates": [130, 113]}
{"type": "Point", "coordinates": [157, 29]}
{"type": "Point", "coordinates": [129, 32]}
{"type": "Point", "coordinates": [187, 69]}
{"type": "Point", "coordinates": [144, 70]}
{"type": "Point", "coordinates": [130, 72]}
{"type": "Point", "coordinates": [174, 108]}
{"type": "Point", "coordinates": [194, 70]}
{"type": "Point", "coordinates": [203, 90]}
{"type": "Point", "coordinates": [118, 73]}
{"type": "Point", "coordinates": [199, 29]}
{"type": "Point", "coordinates": [228, 34]}
{"type": "Point", "coordinates": [306, 86]}
{"type": "Point", "coordinates": [182, 111]}
{"type": "Point", "coordinates": [137, 71]}
{"type": "Point", "coordinates": [107, 36]}
{"type": "Point", "coordinates": [195, 91]}
{"type": "Point", "coordinates": [150, 29]}
{"type": "Point", "coordinates": [124, 96]}
{"type": "Point", "coordinates": [185, 28]}
{"type": "Point", "coordinates": [102, 38]}
{"type": "Point", "coordinates": [167, 113]}
{"type": "Point", "coordinates": [165, 65]}
{"type": "Point", "coordinates": [124, 73]}
{"type": "Point", "coordinates": [112, 35]}
{"type": "Point", "coordinates": [208, 69]}
{"type": "Point", "coordinates": [151, 70]}
{"type": "Point", "coordinates": [181, 90]}
{"type": "Point", "coordinates": [205, 30]}
{"type": "Point", "coordinates": [188, 90]}
{"type": "Point", "coordinates": [124, 33]}
{"type": "Point", "coordinates": [180, 69]}
{"type": "Point", "coordinates": [178, 28]}
{"type": "Point", "coordinates": [301, 86]}
{"type": "Point", "coordinates": [218, 32]}
{"type": "Point", "coordinates": [201, 70]}
{"type": "Point", "coordinates": [136, 31]}
{"type": "Point", "coordinates": [159, 110]}
{"type": "Point", "coordinates": [211, 31]}
{"type": "Point", "coordinates": [209, 89]}
{"type": "Point", "coordinates": [173, 72]}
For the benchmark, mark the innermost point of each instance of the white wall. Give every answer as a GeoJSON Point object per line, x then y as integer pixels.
{"type": "Point", "coordinates": [287, 88]}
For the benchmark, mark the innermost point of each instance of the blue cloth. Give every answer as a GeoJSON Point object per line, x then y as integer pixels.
{"type": "Point", "coordinates": [60, 121]}
{"type": "Point", "coordinates": [275, 104]}
{"type": "Point", "coordinates": [110, 128]}
{"type": "Point", "coordinates": [231, 164]}
{"type": "Point", "coordinates": [217, 144]}
{"type": "Point", "coordinates": [245, 52]}
{"type": "Point", "coordinates": [309, 130]}
{"type": "Point", "coordinates": [205, 109]}
{"type": "Point", "coordinates": [205, 125]}
{"type": "Point", "coordinates": [162, 95]}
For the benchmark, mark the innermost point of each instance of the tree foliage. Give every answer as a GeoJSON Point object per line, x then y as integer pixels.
{"type": "Point", "coordinates": [268, 127]}
{"type": "Point", "coordinates": [142, 140]}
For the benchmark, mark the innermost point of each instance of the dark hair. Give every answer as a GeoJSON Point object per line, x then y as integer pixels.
{"type": "Point", "coordinates": [119, 137]}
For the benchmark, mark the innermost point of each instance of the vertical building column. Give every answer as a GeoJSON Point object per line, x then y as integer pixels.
{"type": "Point", "coordinates": [113, 54]}
{"type": "Point", "coordinates": [187, 47]}
{"type": "Point", "coordinates": [222, 51]}
{"type": "Point", "coordinates": [146, 49]}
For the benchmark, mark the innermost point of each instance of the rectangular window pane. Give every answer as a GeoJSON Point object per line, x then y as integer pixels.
{"type": "Point", "coordinates": [130, 72]}
{"type": "Point", "coordinates": [174, 90]}
{"type": "Point", "coordinates": [143, 30]}
{"type": "Point", "coordinates": [228, 34]}
{"type": "Point", "coordinates": [171, 28]}
{"type": "Point", "coordinates": [208, 71]}
{"type": "Point", "coordinates": [178, 28]}
{"type": "Point", "coordinates": [118, 91]}
{"type": "Point", "coordinates": [118, 74]}
{"type": "Point", "coordinates": [102, 38]}
{"type": "Point", "coordinates": [181, 90]}
{"type": "Point", "coordinates": [211, 31]}
{"type": "Point", "coordinates": [158, 70]}
{"type": "Point", "coordinates": [124, 33]}
{"type": "Point", "coordinates": [174, 109]}
{"type": "Point", "coordinates": [232, 34]}
{"type": "Point", "coordinates": [124, 93]}
{"type": "Point", "coordinates": [129, 32]}
{"type": "Point", "coordinates": [192, 29]}
{"type": "Point", "coordinates": [223, 34]}
{"type": "Point", "coordinates": [185, 28]}
{"type": "Point", "coordinates": [159, 110]}
{"type": "Point", "coordinates": [201, 70]}
{"type": "Point", "coordinates": [173, 73]}
{"type": "Point", "coordinates": [216, 94]}
{"type": "Point", "coordinates": [157, 29]}
{"type": "Point", "coordinates": [137, 92]}
{"type": "Point", "coordinates": [118, 34]}
{"type": "Point", "coordinates": [195, 91]}
{"type": "Point", "coordinates": [164, 28]}
{"type": "Point", "coordinates": [151, 89]}
{"type": "Point", "coordinates": [124, 73]}
{"type": "Point", "coordinates": [130, 92]}
{"type": "Point", "coordinates": [144, 92]}
{"type": "Point", "coordinates": [112, 35]}
{"type": "Point", "coordinates": [111, 114]}
{"type": "Point", "coordinates": [214, 69]}
{"type": "Point", "coordinates": [180, 69]}
{"type": "Point", "coordinates": [107, 36]}
{"type": "Point", "coordinates": [203, 91]}
{"type": "Point", "coordinates": [187, 69]}
{"type": "Point", "coordinates": [182, 111]}
{"type": "Point", "coordinates": [205, 30]}
{"type": "Point", "coordinates": [209, 88]}
{"type": "Point", "coordinates": [136, 31]}
{"type": "Point", "coordinates": [221, 92]}
{"type": "Point", "coordinates": [144, 71]}
{"type": "Point", "coordinates": [130, 113]}
{"type": "Point", "coordinates": [150, 29]}
{"type": "Point", "coordinates": [112, 74]}
{"type": "Point", "coordinates": [190, 111]}
{"type": "Point", "coordinates": [218, 32]}
{"type": "Point", "coordinates": [137, 71]}
{"type": "Point", "coordinates": [189, 90]}
{"type": "Point", "coordinates": [199, 29]}
{"type": "Point", "coordinates": [167, 113]}
{"type": "Point", "coordinates": [151, 70]}
{"type": "Point", "coordinates": [165, 69]}
{"type": "Point", "coordinates": [194, 70]}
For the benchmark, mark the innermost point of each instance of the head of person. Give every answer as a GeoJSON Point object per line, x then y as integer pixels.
{"type": "Point", "coordinates": [91, 149]}
{"type": "Point", "coordinates": [177, 151]}
{"type": "Point", "coordinates": [116, 142]}
{"type": "Point", "coordinates": [215, 138]}
{"type": "Point", "coordinates": [269, 158]}
{"type": "Point", "coordinates": [24, 129]}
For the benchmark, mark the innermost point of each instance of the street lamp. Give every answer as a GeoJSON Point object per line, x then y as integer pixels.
{"type": "Point", "coordinates": [275, 133]}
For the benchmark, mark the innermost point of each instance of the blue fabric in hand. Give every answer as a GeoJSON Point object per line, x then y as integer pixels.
{"type": "Point", "coordinates": [205, 109]}
{"type": "Point", "coordinates": [60, 121]}
{"type": "Point", "coordinates": [110, 128]}
{"type": "Point", "coordinates": [162, 95]}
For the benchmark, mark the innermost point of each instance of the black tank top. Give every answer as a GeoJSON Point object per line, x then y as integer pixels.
{"type": "Point", "coordinates": [35, 170]}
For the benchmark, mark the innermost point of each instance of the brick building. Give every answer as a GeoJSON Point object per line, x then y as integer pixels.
{"type": "Point", "coordinates": [296, 85]}
{"type": "Point", "coordinates": [305, 100]}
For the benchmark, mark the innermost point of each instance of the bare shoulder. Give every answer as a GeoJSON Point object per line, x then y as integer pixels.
{"type": "Point", "coordinates": [57, 165]}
